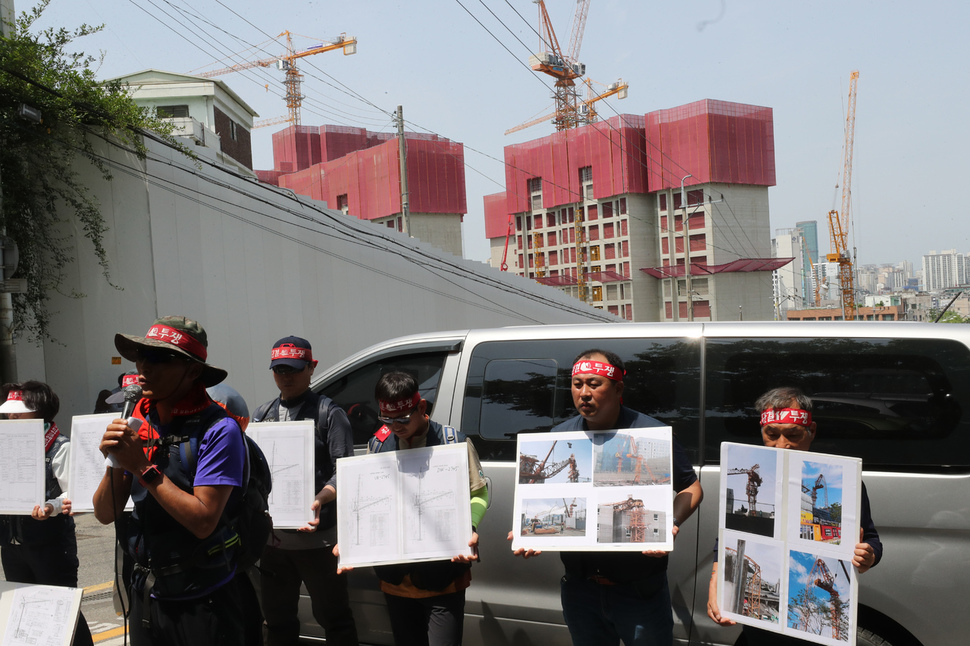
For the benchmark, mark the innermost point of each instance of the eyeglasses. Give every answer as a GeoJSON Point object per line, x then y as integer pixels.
{"type": "Point", "coordinates": [157, 355]}
{"type": "Point", "coordinates": [287, 370]}
{"type": "Point", "coordinates": [403, 420]}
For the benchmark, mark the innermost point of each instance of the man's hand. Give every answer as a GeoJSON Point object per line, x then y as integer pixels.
{"type": "Point", "coordinates": [713, 611]}
{"type": "Point", "coordinates": [336, 552]}
{"type": "Point", "coordinates": [42, 512]}
{"type": "Point", "coordinates": [468, 558]}
{"type": "Point", "coordinates": [662, 553]}
{"type": "Point", "coordinates": [324, 496]}
{"type": "Point", "coordinates": [864, 557]}
{"type": "Point", "coordinates": [524, 553]}
{"type": "Point", "coordinates": [123, 443]}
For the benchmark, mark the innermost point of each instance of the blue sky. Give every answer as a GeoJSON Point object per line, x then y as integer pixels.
{"type": "Point", "coordinates": [455, 79]}
{"type": "Point", "coordinates": [833, 481]}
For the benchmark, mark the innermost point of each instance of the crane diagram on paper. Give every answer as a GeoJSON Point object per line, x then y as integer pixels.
{"type": "Point", "coordinates": [288, 447]}
{"type": "Point", "coordinates": [403, 506]}
{"type": "Point", "coordinates": [38, 615]}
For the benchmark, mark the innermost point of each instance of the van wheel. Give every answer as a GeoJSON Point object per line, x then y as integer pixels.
{"type": "Point", "coordinates": [868, 638]}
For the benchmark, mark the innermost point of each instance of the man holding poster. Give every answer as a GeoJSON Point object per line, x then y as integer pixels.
{"type": "Point", "coordinates": [786, 423]}
{"type": "Point", "coordinates": [613, 596]}
{"type": "Point", "coordinates": [305, 555]}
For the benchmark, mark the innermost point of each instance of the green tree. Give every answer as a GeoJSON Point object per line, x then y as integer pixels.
{"type": "Point", "coordinates": [41, 190]}
{"type": "Point", "coordinates": [949, 317]}
{"type": "Point", "coordinates": [835, 512]}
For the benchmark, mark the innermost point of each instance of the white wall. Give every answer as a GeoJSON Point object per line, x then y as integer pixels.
{"type": "Point", "coordinates": [254, 263]}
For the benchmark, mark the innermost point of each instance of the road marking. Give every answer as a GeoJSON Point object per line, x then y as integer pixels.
{"type": "Point", "coordinates": [98, 587]}
{"type": "Point", "coordinates": [116, 632]}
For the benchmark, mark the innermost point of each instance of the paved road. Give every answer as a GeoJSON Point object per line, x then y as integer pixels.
{"type": "Point", "coordinates": [95, 545]}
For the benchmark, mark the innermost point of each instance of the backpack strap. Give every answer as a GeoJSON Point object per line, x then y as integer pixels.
{"type": "Point", "coordinates": [450, 434]}
{"type": "Point", "coordinates": [376, 443]}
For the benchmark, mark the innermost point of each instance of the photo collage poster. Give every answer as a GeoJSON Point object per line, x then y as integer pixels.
{"type": "Point", "coordinates": [594, 491]}
{"type": "Point", "coordinates": [788, 524]}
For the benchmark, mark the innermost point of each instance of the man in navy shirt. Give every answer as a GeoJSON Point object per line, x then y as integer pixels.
{"type": "Point", "coordinates": [609, 596]}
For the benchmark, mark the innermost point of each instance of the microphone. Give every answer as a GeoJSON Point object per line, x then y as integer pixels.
{"type": "Point", "coordinates": [132, 395]}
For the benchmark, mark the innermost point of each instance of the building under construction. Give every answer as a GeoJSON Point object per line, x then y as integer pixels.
{"type": "Point", "coordinates": [627, 521]}
{"type": "Point", "coordinates": [599, 211]}
{"type": "Point", "coordinates": [359, 173]}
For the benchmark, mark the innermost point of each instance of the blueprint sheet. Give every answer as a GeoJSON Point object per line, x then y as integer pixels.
{"type": "Point", "coordinates": [403, 506]}
{"type": "Point", "coordinates": [22, 468]}
{"type": "Point", "coordinates": [87, 463]}
{"type": "Point", "coordinates": [288, 447]}
{"type": "Point", "coordinates": [38, 615]}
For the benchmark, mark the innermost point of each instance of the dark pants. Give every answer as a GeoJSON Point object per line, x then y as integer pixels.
{"type": "Point", "coordinates": [432, 621]}
{"type": "Point", "coordinates": [217, 619]}
{"type": "Point", "coordinates": [46, 564]}
{"type": "Point", "coordinates": [602, 615]}
{"type": "Point", "coordinates": [281, 573]}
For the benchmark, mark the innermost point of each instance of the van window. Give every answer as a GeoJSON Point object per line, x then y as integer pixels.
{"type": "Point", "coordinates": [354, 391]}
{"type": "Point", "coordinates": [524, 386]}
{"type": "Point", "coordinates": [895, 403]}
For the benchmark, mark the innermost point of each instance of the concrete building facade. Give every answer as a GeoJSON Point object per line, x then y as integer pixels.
{"type": "Point", "coordinates": [600, 211]}
{"type": "Point", "coordinates": [945, 269]}
{"type": "Point", "coordinates": [204, 111]}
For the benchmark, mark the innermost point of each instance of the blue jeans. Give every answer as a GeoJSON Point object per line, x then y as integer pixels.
{"type": "Point", "coordinates": [602, 615]}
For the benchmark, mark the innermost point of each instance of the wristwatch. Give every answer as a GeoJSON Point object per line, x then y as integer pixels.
{"type": "Point", "coordinates": [149, 475]}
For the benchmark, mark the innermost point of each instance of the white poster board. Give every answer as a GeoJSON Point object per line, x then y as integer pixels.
{"type": "Point", "coordinates": [87, 463]}
{"type": "Point", "coordinates": [788, 525]}
{"type": "Point", "coordinates": [288, 447]}
{"type": "Point", "coordinates": [595, 491]}
{"type": "Point", "coordinates": [404, 506]}
{"type": "Point", "coordinates": [22, 467]}
{"type": "Point", "coordinates": [38, 615]}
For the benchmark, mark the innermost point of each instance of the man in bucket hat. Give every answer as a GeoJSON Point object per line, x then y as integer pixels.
{"type": "Point", "coordinates": [305, 555]}
{"type": "Point", "coordinates": [185, 481]}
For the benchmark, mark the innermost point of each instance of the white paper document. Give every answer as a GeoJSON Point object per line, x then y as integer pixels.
{"type": "Point", "coordinates": [288, 447]}
{"type": "Point", "coordinates": [594, 491]}
{"type": "Point", "coordinates": [788, 525]}
{"type": "Point", "coordinates": [22, 467]}
{"type": "Point", "coordinates": [403, 506]}
{"type": "Point", "coordinates": [87, 463]}
{"type": "Point", "coordinates": [38, 615]}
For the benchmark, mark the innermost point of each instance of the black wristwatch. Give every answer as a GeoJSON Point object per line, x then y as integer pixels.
{"type": "Point", "coordinates": [149, 475]}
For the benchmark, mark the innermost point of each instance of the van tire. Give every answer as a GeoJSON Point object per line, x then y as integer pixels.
{"type": "Point", "coordinates": [868, 638]}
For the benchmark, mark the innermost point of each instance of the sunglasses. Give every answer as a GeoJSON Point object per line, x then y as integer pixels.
{"type": "Point", "coordinates": [403, 420]}
{"type": "Point", "coordinates": [287, 370]}
{"type": "Point", "coordinates": [157, 355]}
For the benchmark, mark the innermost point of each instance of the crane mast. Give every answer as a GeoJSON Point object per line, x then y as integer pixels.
{"type": "Point", "coordinates": [839, 220]}
{"type": "Point", "coordinates": [293, 80]}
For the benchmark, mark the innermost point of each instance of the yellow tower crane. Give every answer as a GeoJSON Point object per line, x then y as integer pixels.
{"type": "Point", "coordinates": [287, 64]}
{"type": "Point", "coordinates": [839, 220]}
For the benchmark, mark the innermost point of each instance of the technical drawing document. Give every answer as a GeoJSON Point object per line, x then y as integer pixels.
{"type": "Point", "coordinates": [38, 615]}
{"type": "Point", "coordinates": [288, 447]}
{"type": "Point", "coordinates": [403, 506]}
{"type": "Point", "coordinates": [22, 467]}
{"type": "Point", "coordinates": [87, 463]}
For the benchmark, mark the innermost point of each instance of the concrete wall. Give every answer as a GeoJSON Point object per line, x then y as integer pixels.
{"type": "Point", "coordinates": [254, 263]}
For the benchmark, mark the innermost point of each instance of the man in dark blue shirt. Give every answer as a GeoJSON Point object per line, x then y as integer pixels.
{"type": "Point", "coordinates": [609, 596]}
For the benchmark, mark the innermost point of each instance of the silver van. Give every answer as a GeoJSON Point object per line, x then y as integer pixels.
{"type": "Point", "coordinates": [895, 394]}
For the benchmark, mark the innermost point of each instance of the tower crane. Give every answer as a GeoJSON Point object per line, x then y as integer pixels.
{"type": "Point", "coordinates": [531, 470]}
{"type": "Point", "coordinates": [587, 109]}
{"type": "Point", "coordinates": [822, 578]}
{"type": "Point", "coordinates": [287, 64]}
{"type": "Point", "coordinates": [839, 220]}
{"type": "Point", "coordinates": [813, 491]}
{"type": "Point", "coordinates": [751, 489]}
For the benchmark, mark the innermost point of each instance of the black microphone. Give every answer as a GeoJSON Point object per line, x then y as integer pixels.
{"type": "Point", "coordinates": [132, 395]}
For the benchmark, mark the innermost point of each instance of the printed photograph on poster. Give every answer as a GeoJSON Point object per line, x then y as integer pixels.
{"type": "Point", "coordinates": [820, 598]}
{"type": "Point", "coordinates": [751, 493]}
{"type": "Point", "coordinates": [827, 496]}
{"type": "Point", "coordinates": [628, 519]}
{"type": "Point", "coordinates": [555, 460]}
{"type": "Point", "coordinates": [624, 460]}
{"type": "Point", "coordinates": [552, 517]}
{"type": "Point", "coordinates": [751, 571]}
{"type": "Point", "coordinates": [594, 490]}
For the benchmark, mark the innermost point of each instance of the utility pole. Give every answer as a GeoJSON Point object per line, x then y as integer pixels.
{"type": "Point", "coordinates": [402, 152]}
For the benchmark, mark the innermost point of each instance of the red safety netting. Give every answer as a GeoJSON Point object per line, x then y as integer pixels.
{"type": "Point", "coordinates": [714, 141]}
{"type": "Point", "coordinates": [614, 149]}
{"type": "Point", "coordinates": [701, 269]}
{"type": "Point", "coordinates": [496, 216]}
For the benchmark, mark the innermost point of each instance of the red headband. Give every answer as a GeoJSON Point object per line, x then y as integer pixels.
{"type": "Point", "coordinates": [129, 380]}
{"type": "Point", "coordinates": [786, 416]}
{"type": "Point", "coordinates": [291, 352]}
{"type": "Point", "coordinates": [15, 396]}
{"type": "Point", "coordinates": [585, 367]}
{"type": "Point", "coordinates": [400, 405]}
{"type": "Point", "coordinates": [179, 339]}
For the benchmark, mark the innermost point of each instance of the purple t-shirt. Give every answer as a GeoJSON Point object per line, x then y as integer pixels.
{"type": "Point", "coordinates": [222, 455]}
